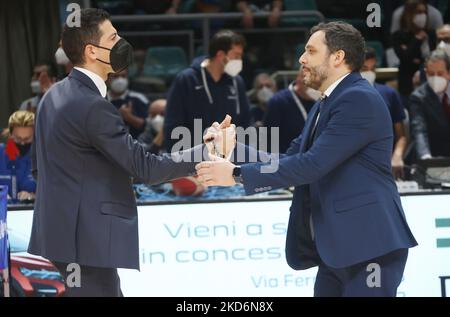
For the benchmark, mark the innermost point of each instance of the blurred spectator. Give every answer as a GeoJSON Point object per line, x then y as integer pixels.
{"type": "Point", "coordinates": [412, 43]}
{"type": "Point", "coordinates": [157, 7]}
{"type": "Point", "coordinates": [63, 62]}
{"type": "Point", "coordinates": [153, 136]}
{"type": "Point", "coordinates": [430, 109]}
{"type": "Point", "coordinates": [287, 110]}
{"type": "Point", "coordinates": [264, 87]}
{"type": "Point", "coordinates": [212, 6]}
{"type": "Point", "coordinates": [132, 105]}
{"type": "Point", "coordinates": [434, 20]}
{"type": "Point", "coordinates": [396, 109]}
{"type": "Point", "coordinates": [209, 90]}
{"type": "Point", "coordinates": [43, 78]}
{"type": "Point", "coordinates": [15, 162]}
{"type": "Point", "coordinates": [265, 50]}
{"type": "Point", "coordinates": [249, 7]}
{"type": "Point", "coordinates": [443, 38]}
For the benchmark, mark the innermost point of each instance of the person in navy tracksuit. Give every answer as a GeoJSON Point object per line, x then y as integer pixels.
{"type": "Point", "coordinates": [346, 214]}
{"type": "Point", "coordinates": [208, 90]}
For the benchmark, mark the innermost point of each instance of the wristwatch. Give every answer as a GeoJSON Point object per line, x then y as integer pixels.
{"type": "Point", "coordinates": [237, 175]}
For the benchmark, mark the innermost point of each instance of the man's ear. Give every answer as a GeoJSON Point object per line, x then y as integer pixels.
{"type": "Point", "coordinates": [339, 57]}
{"type": "Point", "coordinates": [90, 53]}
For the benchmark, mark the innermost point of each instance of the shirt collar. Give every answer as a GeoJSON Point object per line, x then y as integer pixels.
{"type": "Point", "coordinates": [123, 96]}
{"type": "Point", "coordinates": [98, 81]}
{"type": "Point", "coordinates": [333, 86]}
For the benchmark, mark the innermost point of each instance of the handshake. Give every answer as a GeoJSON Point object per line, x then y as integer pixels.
{"type": "Point", "coordinates": [220, 140]}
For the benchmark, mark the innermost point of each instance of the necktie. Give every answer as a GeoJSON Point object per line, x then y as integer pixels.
{"type": "Point", "coordinates": [446, 106]}
{"type": "Point", "coordinates": [313, 132]}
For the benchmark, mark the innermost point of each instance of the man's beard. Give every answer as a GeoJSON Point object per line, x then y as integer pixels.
{"type": "Point", "coordinates": [317, 75]}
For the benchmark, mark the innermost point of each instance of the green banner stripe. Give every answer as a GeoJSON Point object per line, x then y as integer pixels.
{"type": "Point", "coordinates": [443, 243]}
{"type": "Point", "coordinates": [442, 222]}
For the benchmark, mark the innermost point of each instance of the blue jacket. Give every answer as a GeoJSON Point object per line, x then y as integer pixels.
{"type": "Point", "coordinates": [21, 167]}
{"type": "Point", "coordinates": [343, 180]}
{"type": "Point", "coordinates": [195, 95]}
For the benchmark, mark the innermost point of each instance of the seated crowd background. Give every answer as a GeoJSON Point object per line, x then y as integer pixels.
{"type": "Point", "coordinates": [238, 77]}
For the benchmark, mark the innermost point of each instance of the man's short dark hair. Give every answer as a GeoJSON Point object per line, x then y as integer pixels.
{"type": "Point", "coordinates": [74, 39]}
{"type": "Point", "coordinates": [370, 53]}
{"type": "Point", "coordinates": [439, 55]}
{"type": "Point", "coordinates": [343, 36]}
{"type": "Point", "coordinates": [223, 41]}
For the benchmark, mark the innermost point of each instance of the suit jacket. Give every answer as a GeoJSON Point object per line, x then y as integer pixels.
{"type": "Point", "coordinates": [429, 125]}
{"type": "Point", "coordinates": [343, 180]}
{"type": "Point", "coordinates": [85, 208]}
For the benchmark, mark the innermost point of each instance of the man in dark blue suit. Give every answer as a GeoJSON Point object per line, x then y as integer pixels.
{"type": "Point", "coordinates": [346, 215]}
{"type": "Point", "coordinates": [85, 160]}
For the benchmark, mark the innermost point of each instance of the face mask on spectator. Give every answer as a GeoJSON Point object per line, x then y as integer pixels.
{"type": "Point", "coordinates": [437, 83]}
{"type": "Point", "coordinates": [444, 47]}
{"type": "Point", "coordinates": [119, 85]}
{"type": "Point", "coordinates": [420, 20]}
{"type": "Point", "coordinates": [35, 87]}
{"type": "Point", "coordinates": [23, 148]}
{"type": "Point", "coordinates": [157, 123]}
{"type": "Point", "coordinates": [313, 94]}
{"type": "Point", "coordinates": [370, 76]}
{"type": "Point", "coordinates": [61, 57]}
{"type": "Point", "coordinates": [233, 67]}
{"type": "Point", "coordinates": [264, 94]}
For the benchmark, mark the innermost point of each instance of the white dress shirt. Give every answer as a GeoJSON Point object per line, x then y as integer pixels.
{"type": "Point", "coordinates": [98, 81]}
{"type": "Point", "coordinates": [334, 85]}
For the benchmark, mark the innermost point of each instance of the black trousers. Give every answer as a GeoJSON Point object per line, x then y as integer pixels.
{"type": "Point", "coordinates": [94, 281]}
{"type": "Point", "coordinates": [356, 280]}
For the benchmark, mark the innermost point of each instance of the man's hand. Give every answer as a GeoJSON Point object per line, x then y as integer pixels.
{"type": "Point", "coordinates": [23, 195]}
{"type": "Point", "coordinates": [218, 172]}
{"type": "Point", "coordinates": [126, 110]}
{"type": "Point", "coordinates": [220, 139]}
{"type": "Point", "coordinates": [397, 167]}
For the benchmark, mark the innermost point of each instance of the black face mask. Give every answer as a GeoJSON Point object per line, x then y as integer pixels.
{"type": "Point", "coordinates": [120, 56]}
{"type": "Point", "coordinates": [23, 148]}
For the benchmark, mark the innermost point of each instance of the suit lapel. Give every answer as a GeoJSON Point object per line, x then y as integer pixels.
{"type": "Point", "coordinates": [307, 130]}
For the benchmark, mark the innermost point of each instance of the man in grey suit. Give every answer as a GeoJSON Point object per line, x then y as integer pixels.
{"type": "Point", "coordinates": [430, 109]}
{"type": "Point", "coordinates": [84, 161]}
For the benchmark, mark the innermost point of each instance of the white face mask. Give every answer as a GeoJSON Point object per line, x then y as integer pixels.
{"type": "Point", "coordinates": [264, 94]}
{"type": "Point", "coordinates": [370, 76]}
{"type": "Point", "coordinates": [119, 85]}
{"type": "Point", "coordinates": [35, 87]}
{"type": "Point", "coordinates": [420, 20]}
{"type": "Point", "coordinates": [313, 94]}
{"type": "Point", "coordinates": [444, 47]}
{"type": "Point", "coordinates": [61, 57]}
{"type": "Point", "coordinates": [157, 122]}
{"type": "Point", "coordinates": [437, 83]}
{"type": "Point", "coordinates": [233, 67]}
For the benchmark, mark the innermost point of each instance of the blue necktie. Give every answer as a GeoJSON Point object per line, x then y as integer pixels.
{"type": "Point", "coordinates": [316, 121]}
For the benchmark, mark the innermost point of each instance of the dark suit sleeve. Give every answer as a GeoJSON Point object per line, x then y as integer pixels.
{"type": "Point", "coordinates": [107, 133]}
{"type": "Point", "coordinates": [419, 126]}
{"type": "Point", "coordinates": [350, 128]}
